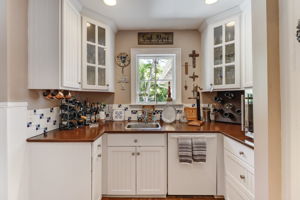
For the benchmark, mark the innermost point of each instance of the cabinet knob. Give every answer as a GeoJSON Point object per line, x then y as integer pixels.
{"type": "Point", "coordinates": [79, 82]}
{"type": "Point", "coordinates": [242, 153]}
{"type": "Point", "coordinates": [99, 155]}
{"type": "Point", "coordinates": [99, 145]}
{"type": "Point", "coordinates": [107, 85]}
{"type": "Point", "coordinates": [135, 141]}
{"type": "Point", "coordinates": [242, 177]}
{"type": "Point", "coordinates": [138, 153]}
{"type": "Point", "coordinates": [132, 153]}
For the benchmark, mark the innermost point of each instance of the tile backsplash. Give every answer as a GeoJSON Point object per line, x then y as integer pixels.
{"type": "Point", "coordinates": [43, 120]}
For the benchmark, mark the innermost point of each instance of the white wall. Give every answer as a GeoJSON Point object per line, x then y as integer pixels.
{"type": "Point", "coordinates": [266, 100]}
{"type": "Point", "coordinates": [290, 73]}
{"type": "Point", "coordinates": [3, 44]}
{"type": "Point", "coordinates": [3, 154]}
{"type": "Point", "coordinates": [14, 152]}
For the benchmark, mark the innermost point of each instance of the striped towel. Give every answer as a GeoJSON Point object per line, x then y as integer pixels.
{"type": "Point", "coordinates": [199, 150]}
{"type": "Point", "coordinates": [185, 150]}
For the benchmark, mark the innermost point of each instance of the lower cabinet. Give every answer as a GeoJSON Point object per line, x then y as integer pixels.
{"type": "Point", "coordinates": [151, 170]}
{"type": "Point", "coordinates": [136, 170]}
{"type": "Point", "coordinates": [235, 193]}
{"type": "Point", "coordinates": [97, 170]}
{"type": "Point", "coordinates": [121, 170]}
{"type": "Point", "coordinates": [65, 171]}
{"type": "Point", "coordinates": [239, 171]}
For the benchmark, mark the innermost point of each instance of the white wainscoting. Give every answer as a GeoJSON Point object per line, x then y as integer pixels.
{"type": "Point", "coordinates": [13, 151]}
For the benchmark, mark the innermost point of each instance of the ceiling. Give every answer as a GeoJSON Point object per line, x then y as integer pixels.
{"type": "Point", "coordinates": [159, 14]}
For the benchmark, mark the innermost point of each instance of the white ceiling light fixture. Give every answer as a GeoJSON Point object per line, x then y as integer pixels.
{"type": "Point", "coordinates": [211, 1]}
{"type": "Point", "coordinates": [110, 2]}
{"type": "Point", "coordinates": [230, 24]}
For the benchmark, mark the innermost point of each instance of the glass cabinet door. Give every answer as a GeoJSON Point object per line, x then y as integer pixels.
{"type": "Point", "coordinates": [95, 55]}
{"type": "Point", "coordinates": [224, 54]}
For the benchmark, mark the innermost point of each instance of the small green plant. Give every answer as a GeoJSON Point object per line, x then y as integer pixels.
{"type": "Point", "coordinates": [151, 89]}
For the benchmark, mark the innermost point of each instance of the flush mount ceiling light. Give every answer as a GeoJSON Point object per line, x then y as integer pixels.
{"type": "Point", "coordinates": [110, 2]}
{"type": "Point", "coordinates": [230, 24]}
{"type": "Point", "coordinates": [211, 1]}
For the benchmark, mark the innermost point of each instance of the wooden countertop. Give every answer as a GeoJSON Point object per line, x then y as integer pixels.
{"type": "Point", "coordinates": [87, 134]}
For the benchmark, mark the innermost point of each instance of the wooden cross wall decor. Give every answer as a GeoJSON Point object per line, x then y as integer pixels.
{"type": "Point", "coordinates": [194, 77]}
{"type": "Point", "coordinates": [186, 68]}
{"type": "Point", "coordinates": [194, 55]}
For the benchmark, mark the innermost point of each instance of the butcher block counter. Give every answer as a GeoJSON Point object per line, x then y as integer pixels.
{"type": "Point", "coordinates": [88, 134]}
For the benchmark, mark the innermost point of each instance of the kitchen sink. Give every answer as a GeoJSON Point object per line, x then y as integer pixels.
{"type": "Point", "coordinates": [143, 126]}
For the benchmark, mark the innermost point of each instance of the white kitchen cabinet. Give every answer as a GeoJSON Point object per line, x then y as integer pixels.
{"type": "Point", "coordinates": [151, 171]}
{"type": "Point", "coordinates": [137, 164]}
{"type": "Point", "coordinates": [239, 170]}
{"type": "Point", "coordinates": [97, 170]}
{"type": "Point", "coordinates": [65, 171]}
{"type": "Point", "coordinates": [71, 46]}
{"type": "Point", "coordinates": [226, 43]}
{"type": "Point", "coordinates": [246, 44]}
{"type": "Point", "coordinates": [121, 170]}
{"type": "Point", "coordinates": [225, 51]}
{"type": "Point", "coordinates": [235, 193]}
{"type": "Point", "coordinates": [54, 44]}
{"type": "Point", "coordinates": [97, 65]}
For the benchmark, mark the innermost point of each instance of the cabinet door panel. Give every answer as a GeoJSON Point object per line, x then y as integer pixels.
{"type": "Point", "coordinates": [151, 171]}
{"type": "Point", "coordinates": [121, 171]}
{"type": "Point", "coordinates": [101, 36]}
{"type": "Point", "coordinates": [226, 54]}
{"type": "Point", "coordinates": [91, 75]}
{"type": "Point", "coordinates": [218, 76]}
{"type": "Point", "coordinates": [233, 192]}
{"type": "Point", "coordinates": [96, 46]}
{"type": "Point", "coordinates": [71, 59]}
{"type": "Point", "coordinates": [101, 76]}
{"type": "Point", "coordinates": [97, 170]}
{"type": "Point", "coordinates": [230, 74]}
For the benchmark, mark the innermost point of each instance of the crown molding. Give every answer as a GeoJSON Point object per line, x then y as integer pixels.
{"type": "Point", "coordinates": [226, 14]}
{"type": "Point", "coordinates": [94, 15]}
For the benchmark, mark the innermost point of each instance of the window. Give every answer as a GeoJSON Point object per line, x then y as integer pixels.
{"type": "Point", "coordinates": [152, 72]}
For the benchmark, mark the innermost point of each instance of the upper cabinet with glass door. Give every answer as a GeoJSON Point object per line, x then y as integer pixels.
{"type": "Point", "coordinates": [226, 54]}
{"type": "Point", "coordinates": [96, 68]}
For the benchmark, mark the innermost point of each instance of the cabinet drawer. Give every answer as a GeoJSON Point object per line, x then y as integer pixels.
{"type": "Point", "coordinates": [234, 192]}
{"type": "Point", "coordinates": [241, 151]}
{"type": "Point", "coordinates": [239, 171]}
{"type": "Point", "coordinates": [136, 140]}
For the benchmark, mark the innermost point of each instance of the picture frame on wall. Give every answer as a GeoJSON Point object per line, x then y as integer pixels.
{"type": "Point", "coordinates": [155, 38]}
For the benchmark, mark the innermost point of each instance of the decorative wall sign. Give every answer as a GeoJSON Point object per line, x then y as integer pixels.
{"type": "Point", "coordinates": [155, 38]}
{"type": "Point", "coordinates": [194, 55]}
{"type": "Point", "coordinates": [123, 80]}
{"type": "Point", "coordinates": [194, 76]}
{"type": "Point", "coordinates": [123, 60]}
{"type": "Point", "coordinates": [298, 31]}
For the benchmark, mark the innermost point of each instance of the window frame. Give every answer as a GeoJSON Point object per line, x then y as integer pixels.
{"type": "Point", "coordinates": [156, 52]}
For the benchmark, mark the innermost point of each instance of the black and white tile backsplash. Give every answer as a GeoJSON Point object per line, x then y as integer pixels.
{"type": "Point", "coordinates": [42, 120]}
{"type": "Point", "coordinates": [45, 120]}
